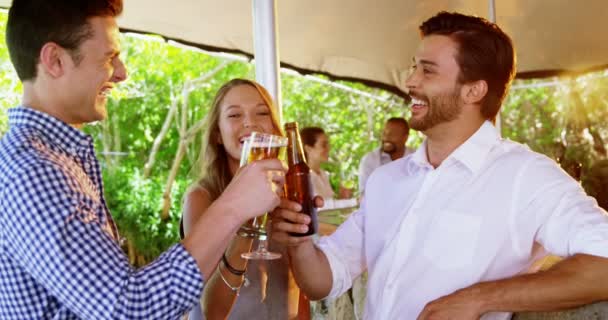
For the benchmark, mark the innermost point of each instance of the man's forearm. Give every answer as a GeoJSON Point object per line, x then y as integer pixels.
{"type": "Point", "coordinates": [311, 270]}
{"type": "Point", "coordinates": [578, 280]}
{"type": "Point", "coordinates": [211, 235]}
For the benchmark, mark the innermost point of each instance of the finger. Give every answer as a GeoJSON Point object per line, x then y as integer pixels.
{"type": "Point", "coordinates": [285, 239]}
{"type": "Point", "coordinates": [274, 214]}
{"type": "Point", "coordinates": [421, 316]}
{"type": "Point", "coordinates": [277, 178]}
{"type": "Point", "coordinates": [276, 175]}
{"type": "Point", "coordinates": [293, 241]}
{"type": "Point", "coordinates": [319, 202]}
{"type": "Point", "coordinates": [275, 201]}
{"type": "Point", "coordinates": [273, 187]}
{"type": "Point", "coordinates": [269, 164]}
{"type": "Point", "coordinates": [289, 227]}
{"type": "Point", "coordinates": [424, 314]}
{"type": "Point", "coordinates": [277, 189]}
{"type": "Point", "coordinates": [290, 205]}
{"type": "Point", "coordinates": [293, 217]}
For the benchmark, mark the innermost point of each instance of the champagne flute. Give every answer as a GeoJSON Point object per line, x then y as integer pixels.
{"type": "Point", "coordinates": [259, 146]}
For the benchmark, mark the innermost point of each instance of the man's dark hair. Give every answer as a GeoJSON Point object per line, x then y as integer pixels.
{"type": "Point", "coordinates": [595, 182]}
{"type": "Point", "coordinates": [485, 53]}
{"type": "Point", "coordinates": [400, 121]}
{"type": "Point", "coordinates": [32, 23]}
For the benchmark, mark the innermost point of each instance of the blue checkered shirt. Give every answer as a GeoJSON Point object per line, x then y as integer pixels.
{"type": "Point", "coordinates": [59, 251]}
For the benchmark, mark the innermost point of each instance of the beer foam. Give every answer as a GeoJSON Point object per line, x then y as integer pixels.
{"type": "Point", "coordinates": [267, 144]}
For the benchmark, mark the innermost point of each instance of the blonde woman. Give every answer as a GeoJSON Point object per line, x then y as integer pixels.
{"type": "Point", "coordinates": [238, 289]}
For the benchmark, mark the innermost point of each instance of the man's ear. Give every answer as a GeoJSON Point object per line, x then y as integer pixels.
{"type": "Point", "coordinates": [474, 92]}
{"type": "Point", "coordinates": [53, 59]}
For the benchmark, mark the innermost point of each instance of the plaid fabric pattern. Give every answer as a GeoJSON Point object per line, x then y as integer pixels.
{"type": "Point", "coordinates": [60, 256]}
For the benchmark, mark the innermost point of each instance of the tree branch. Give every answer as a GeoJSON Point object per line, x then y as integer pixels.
{"type": "Point", "coordinates": [188, 87]}
{"type": "Point", "coordinates": [183, 136]}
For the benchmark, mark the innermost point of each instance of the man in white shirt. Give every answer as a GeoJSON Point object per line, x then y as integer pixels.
{"type": "Point", "coordinates": [394, 136]}
{"type": "Point", "coordinates": [453, 228]}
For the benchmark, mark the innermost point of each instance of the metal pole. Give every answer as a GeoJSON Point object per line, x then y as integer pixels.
{"type": "Point", "coordinates": [265, 39]}
{"type": "Point", "coordinates": [492, 18]}
{"type": "Point", "coordinates": [492, 13]}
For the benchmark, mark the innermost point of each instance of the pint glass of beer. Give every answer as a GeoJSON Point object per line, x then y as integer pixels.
{"type": "Point", "coordinates": [259, 146]}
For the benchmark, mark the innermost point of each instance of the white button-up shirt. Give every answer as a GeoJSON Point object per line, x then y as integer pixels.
{"type": "Point", "coordinates": [423, 233]}
{"type": "Point", "coordinates": [371, 161]}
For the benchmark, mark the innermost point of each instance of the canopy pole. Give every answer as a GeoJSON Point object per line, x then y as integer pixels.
{"type": "Point", "coordinates": [265, 39]}
{"type": "Point", "coordinates": [492, 11]}
{"type": "Point", "coordinates": [492, 18]}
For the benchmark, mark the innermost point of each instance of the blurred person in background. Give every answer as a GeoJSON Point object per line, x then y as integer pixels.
{"type": "Point", "coordinates": [394, 136]}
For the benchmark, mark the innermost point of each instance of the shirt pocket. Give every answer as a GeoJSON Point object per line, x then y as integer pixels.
{"type": "Point", "coordinates": [452, 240]}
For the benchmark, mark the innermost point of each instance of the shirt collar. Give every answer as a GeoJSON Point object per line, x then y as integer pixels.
{"type": "Point", "coordinates": [419, 158]}
{"type": "Point", "coordinates": [472, 153]}
{"type": "Point", "coordinates": [383, 155]}
{"type": "Point", "coordinates": [65, 136]}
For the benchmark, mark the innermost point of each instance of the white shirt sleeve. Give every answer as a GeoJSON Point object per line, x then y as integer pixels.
{"type": "Point", "coordinates": [566, 221]}
{"type": "Point", "coordinates": [344, 251]}
{"type": "Point", "coordinates": [365, 169]}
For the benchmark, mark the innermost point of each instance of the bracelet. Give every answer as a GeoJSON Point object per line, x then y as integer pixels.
{"type": "Point", "coordinates": [234, 289]}
{"type": "Point", "coordinates": [230, 268]}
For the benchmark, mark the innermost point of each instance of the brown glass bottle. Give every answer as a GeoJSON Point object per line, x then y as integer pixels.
{"type": "Point", "coordinates": [298, 185]}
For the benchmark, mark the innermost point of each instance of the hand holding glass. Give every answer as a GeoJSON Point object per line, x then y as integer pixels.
{"type": "Point", "coordinates": [259, 146]}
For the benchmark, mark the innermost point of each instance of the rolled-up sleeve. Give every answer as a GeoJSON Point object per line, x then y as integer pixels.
{"type": "Point", "coordinates": [565, 220]}
{"type": "Point", "coordinates": [345, 252]}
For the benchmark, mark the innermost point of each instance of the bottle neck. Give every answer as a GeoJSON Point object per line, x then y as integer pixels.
{"type": "Point", "coordinates": [295, 153]}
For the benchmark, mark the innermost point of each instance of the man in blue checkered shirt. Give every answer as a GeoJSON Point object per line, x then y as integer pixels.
{"type": "Point", "coordinates": [59, 251]}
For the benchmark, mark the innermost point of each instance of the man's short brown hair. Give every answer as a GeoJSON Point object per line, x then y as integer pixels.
{"type": "Point", "coordinates": [33, 23]}
{"type": "Point", "coordinates": [485, 52]}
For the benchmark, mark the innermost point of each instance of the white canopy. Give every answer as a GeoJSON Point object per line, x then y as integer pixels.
{"type": "Point", "coordinates": [373, 41]}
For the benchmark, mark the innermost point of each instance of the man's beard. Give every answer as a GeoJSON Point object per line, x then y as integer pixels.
{"type": "Point", "coordinates": [388, 147]}
{"type": "Point", "coordinates": [440, 108]}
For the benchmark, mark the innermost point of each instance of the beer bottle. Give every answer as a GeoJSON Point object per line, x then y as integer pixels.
{"type": "Point", "coordinates": [297, 179]}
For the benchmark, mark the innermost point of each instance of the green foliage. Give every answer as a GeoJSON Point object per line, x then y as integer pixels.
{"type": "Point", "coordinates": [136, 202]}
{"type": "Point", "coordinates": [596, 182]}
{"type": "Point", "coordinates": [9, 83]}
{"type": "Point", "coordinates": [352, 120]}
{"type": "Point", "coordinates": [564, 119]}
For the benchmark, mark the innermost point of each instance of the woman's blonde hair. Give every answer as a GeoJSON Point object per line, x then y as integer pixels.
{"type": "Point", "coordinates": [213, 171]}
